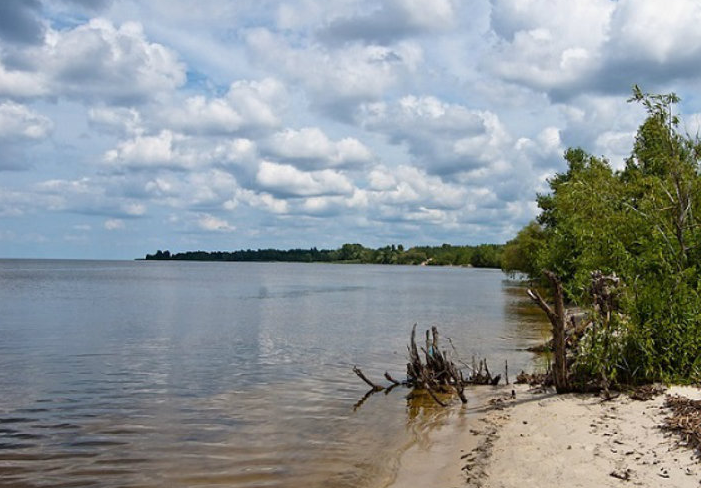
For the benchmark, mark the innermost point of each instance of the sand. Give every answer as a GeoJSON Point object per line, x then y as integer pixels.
{"type": "Point", "coordinates": [547, 440]}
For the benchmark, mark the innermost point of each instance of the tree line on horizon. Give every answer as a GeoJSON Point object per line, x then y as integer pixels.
{"type": "Point", "coordinates": [479, 256]}
{"type": "Point", "coordinates": [641, 226]}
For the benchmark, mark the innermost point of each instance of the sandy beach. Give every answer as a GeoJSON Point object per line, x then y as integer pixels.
{"type": "Point", "coordinates": [548, 440]}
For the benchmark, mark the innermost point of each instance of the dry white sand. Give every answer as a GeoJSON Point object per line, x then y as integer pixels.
{"type": "Point", "coordinates": [548, 440]}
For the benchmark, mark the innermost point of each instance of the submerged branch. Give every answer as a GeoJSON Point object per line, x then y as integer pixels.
{"type": "Point", "coordinates": [360, 374]}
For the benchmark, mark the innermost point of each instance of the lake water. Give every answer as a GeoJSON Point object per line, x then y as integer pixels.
{"type": "Point", "coordinates": [151, 374]}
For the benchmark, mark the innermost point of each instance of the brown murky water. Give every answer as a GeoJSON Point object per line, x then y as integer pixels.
{"type": "Point", "coordinates": [143, 374]}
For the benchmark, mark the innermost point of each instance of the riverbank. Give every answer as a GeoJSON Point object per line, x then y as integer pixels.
{"type": "Point", "coordinates": [548, 440]}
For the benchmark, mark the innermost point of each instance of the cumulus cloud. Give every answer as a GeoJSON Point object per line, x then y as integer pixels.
{"type": "Point", "coordinates": [566, 47]}
{"type": "Point", "coordinates": [263, 200]}
{"type": "Point", "coordinates": [651, 45]}
{"type": "Point", "coordinates": [340, 79]}
{"type": "Point", "coordinates": [18, 121]}
{"type": "Point", "coordinates": [87, 196]}
{"type": "Point", "coordinates": [165, 149]}
{"type": "Point", "coordinates": [22, 84]}
{"type": "Point", "coordinates": [211, 223]}
{"type": "Point", "coordinates": [544, 151]}
{"type": "Point", "coordinates": [19, 203]}
{"type": "Point", "coordinates": [21, 129]}
{"type": "Point", "coordinates": [309, 148]}
{"type": "Point", "coordinates": [120, 120]}
{"type": "Point", "coordinates": [320, 122]}
{"type": "Point", "coordinates": [248, 107]}
{"type": "Point", "coordinates": [287, 181]}
{"type": "Point", "coordinates": [391, 21]}
{"type": "Point", "coordinates": [209, 189]}
{"type": "Point", "coordinates": [444, 138]}
{"type": "Point", "coordinates": [602, 124]}
{"type": "Point", "coordinates": [94, 61]}
{"type": "Point", "coordinates": [407, 193]}
{"type": "Point", "coordinates": [179, 152]}
{"type": "Point", "coordinates": [551, 46]}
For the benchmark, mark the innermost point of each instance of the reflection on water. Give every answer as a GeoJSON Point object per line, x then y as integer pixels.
{"type": "Point", "coordinates": [208, 374]}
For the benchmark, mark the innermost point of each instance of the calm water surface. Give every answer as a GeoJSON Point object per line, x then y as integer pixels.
{"type": "Point", "coordinates": [146, 374]}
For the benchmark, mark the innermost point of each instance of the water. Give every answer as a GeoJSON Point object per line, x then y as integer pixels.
{"type": "Point", "coordinates": [149, 374]}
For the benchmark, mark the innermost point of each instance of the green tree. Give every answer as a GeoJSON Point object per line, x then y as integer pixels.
{"type": "Point", "coordinates": [642, 223]}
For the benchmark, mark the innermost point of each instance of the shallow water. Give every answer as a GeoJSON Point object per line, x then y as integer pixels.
{"type": "Point", "coordinates": [145, 374]}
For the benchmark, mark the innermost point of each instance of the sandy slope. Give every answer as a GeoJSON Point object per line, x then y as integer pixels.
{"type": "Point", "coordinates": [545, 440]}
{"type": "Point", "coordinates": [580, 441]}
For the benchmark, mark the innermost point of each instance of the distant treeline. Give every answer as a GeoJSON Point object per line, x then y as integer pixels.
{"type": "Point", "coordinates": [482, 256]}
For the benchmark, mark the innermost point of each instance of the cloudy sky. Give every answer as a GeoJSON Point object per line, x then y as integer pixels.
{"type": "Point", "coordinates": [130, 126]}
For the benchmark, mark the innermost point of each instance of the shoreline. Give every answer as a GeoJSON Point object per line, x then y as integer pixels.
{"type": "Point", "coordinates": [544, 439]}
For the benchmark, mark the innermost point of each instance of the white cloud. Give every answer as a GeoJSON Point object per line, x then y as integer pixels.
{"type": "Point", "coordinates": [122, 120]}
{"type": "Point", "coordinates": [567, 47]}
{"type": "Point", "coordinates": [407, 185]}
{"type": "Point", "coordinates": [22, 84]}
{"type": "Point", "coordinates": [443, 138]}
{"type": "Point", "coordinates": [310, 148]}
{"type": "Point", "coordinates": [211, 223]}
{"type": "Point", "coordinates": [166, 149]}
{"type": "Point", "coordinates": [264, 201]}
{"type": "Point", "coordinates": [320, 122]}
{"type": "Point", "coordinates": [642, 30]}
{"type": "Point", "coordinates": [391, 21]}
{"type": "Point", "coordinates": [134, 209]}
{"type": "Point", "coordinates": [247, 107]}
{"type": "Point", "coordinates": [550, 45]}
{"type": "Point", "coordinates": [340, 79]}
{"type": "Point", "coordinates": [114, 224]}
{"type": "Point", "coordinates": [88, 196]}
{"type": "Point", "coordinates": [208, 189]}
{"type": "Point", "coordinates": [286, 180]}
{"type": "Point", "coordinates": [18, 121]}
{"type": "Point", "coordinates": [95, 61]}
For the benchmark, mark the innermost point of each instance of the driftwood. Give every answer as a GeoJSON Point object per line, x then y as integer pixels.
{"type": "Point", "coordinates": [431, 370]}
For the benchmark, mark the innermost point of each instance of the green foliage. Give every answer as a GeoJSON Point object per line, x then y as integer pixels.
{"type": "Point", "coordinates": [521, 254]}
{"type": "Point", "coordinates": [643, 223]}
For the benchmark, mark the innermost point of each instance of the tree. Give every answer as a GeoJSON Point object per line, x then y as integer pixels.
{"type": "Point", "coordinates": [642, 225]}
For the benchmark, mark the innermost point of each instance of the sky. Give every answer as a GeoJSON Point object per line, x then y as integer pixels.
{"type": "Point", "coordinates": [130, 126]}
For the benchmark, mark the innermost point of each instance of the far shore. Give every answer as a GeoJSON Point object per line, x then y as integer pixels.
{"type": "Point", "coordinates": [548, 440]}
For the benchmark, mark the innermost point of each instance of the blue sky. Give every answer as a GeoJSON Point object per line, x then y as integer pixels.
{"type": "Point", "coordinates": [130, 126]}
